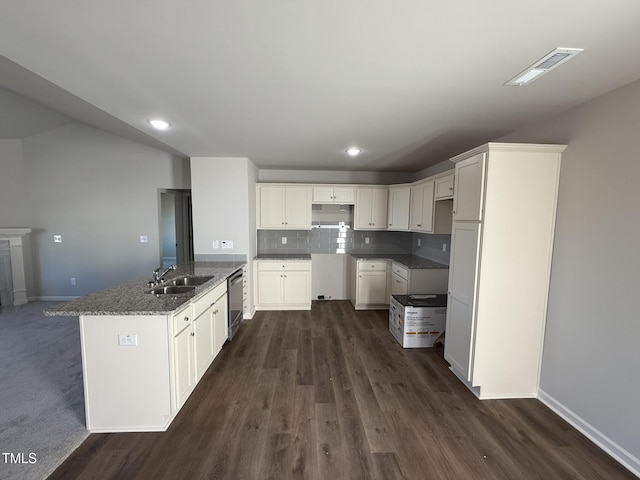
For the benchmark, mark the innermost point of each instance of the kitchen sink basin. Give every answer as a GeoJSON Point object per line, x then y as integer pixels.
{"type": "Point", "coordinates": [172, 289]}
{"type": "Point", "coordinates": [189, 281]}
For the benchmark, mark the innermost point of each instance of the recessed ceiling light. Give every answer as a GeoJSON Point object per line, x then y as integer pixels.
{"type": "Point", "coordinates": [158, 123]}
{"type": "Point", "coordinates": [353, 151]}
{"type": "Point", "coordinates": [547, 63]}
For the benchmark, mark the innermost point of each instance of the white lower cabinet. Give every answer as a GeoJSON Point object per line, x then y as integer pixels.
{"type": "Point", "coordinates": [184, 372]}
{"type": "Point", "coordinates": [141, 387]}
{"type": "Point", "coordinates": [368, 284]}
{"type": "Point", "coordinates": [209, 328]}
{"type": "Point", "coordinates": [283, 285]}
{"type": "Point", "coordinates": [399, 285]}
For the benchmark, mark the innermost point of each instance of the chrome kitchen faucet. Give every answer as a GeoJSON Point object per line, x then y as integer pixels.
{"type": "Point", "coordinates": [157, 276]}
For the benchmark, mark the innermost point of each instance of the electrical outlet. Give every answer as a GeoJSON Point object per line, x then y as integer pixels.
{"type": "Point", "coordinates": [128, 340]}
{"type": "Point", "coordinates": [419, 241]}
{"type": "Point", "coordinates": [444, 247]}
{"type": "Point", "coordinates": [284, 240]}
{"type": "Point", "coordinates": [366, 240]}
{"type": "Point", "coordinates": [216, 244]}
{"type": "Point", "coordinates": [73, 280]}
{"type": "Point", "coordinates": [227, 243]}
{"type": "Point", "coordinates": [144, 239]}
{"type": "Point", "coordinates": [57, 239]}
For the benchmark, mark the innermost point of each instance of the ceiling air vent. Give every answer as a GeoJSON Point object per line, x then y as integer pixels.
{"type": "Point", "coordinates": [547, 63]}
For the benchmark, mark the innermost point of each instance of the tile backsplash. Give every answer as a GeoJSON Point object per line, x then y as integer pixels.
{"type": "Point", "coordinates": [431, 246]}
{"type": "Point", "coordinates": [346, 240]}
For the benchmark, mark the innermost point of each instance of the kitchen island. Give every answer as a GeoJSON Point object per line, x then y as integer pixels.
{"type": "Point", "coordinates": [142, 353]}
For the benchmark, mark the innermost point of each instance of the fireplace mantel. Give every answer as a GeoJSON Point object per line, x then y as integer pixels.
{"type": "Point", "coordinates": [15, 237]}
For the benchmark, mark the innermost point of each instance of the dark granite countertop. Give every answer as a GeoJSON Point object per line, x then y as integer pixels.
{"type": "Point", "coordinates": [283, 256]}
{"type": "Point", "coordinates": [131, 297]}
{"type": "Point", "coordinates": [407, 261]}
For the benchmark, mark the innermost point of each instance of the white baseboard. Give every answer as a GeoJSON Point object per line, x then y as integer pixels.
{"type": "Point", "coordinates": [605, 443]}
{"type": "Point", "coordinates": [56, 298]}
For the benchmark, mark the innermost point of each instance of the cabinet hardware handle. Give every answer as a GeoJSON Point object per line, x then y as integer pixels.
{"type": "Point", "coordinates": [450, 189]}
{"type": "Point", "coordinates": [186, 319]}
{"type": "Point", "coordinates": [216, 311]}
{"type": "Point", "coordinates": [193, 334]}
{"type": "Point", "coordinates": [419, 225]}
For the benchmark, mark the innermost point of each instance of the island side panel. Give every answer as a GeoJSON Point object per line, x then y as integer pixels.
{"type": "Point", "coordinates": [127, 387]}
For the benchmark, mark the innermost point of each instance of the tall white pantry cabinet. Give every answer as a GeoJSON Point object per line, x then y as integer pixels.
{"type": "Point", "coordinates": [501, 244]}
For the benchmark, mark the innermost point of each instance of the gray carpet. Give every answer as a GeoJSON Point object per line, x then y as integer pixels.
{"type": "Point", "coordinates": [41, 391]}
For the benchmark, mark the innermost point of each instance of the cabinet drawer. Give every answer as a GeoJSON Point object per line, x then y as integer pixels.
{"type": "Point", "coordinates": [400, 271]}
{"type": "Point", "coordinates": [286, 265]}
{"type": "Point", "coordinates": [372, 266]}
{"type": "Point", "coordinates": [181, 320]}
{"type": "Point", "coordinates": [208, 299]}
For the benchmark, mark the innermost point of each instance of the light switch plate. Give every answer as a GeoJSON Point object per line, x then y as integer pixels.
{"type": "Point", "coordinates": [144, 239]}
{"type": "Point", "coordinates": [227, 243]}
{"type": "Point", "coordinates": [216, 244]}
{"type": "Point", "coordinates": [57, 239]}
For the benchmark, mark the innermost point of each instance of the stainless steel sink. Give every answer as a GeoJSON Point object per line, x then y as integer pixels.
{"type": "Point", "coordinates": [188, 281]}
{"type": "Point", "coordinates": [172, 289]}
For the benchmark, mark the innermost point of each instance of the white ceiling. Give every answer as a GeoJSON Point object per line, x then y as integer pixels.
{"type": "Point", "coordinates": [292, 84]}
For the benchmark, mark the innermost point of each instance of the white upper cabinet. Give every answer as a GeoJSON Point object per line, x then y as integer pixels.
{"type": "Point", "coordinates": [444, 187]}
{"type": "Point", "coordinates": [422, 207]}
{"type": "Point", "coordinates": [371, 208]}
{"type": "Point", "coordinates": [284, 207]}
{"type": "Point", "coordinates": [399, 207]}
{"type": "Point", "coordinates": [334, 194]}
{"type": "Point", "coordinates": [469, 187]}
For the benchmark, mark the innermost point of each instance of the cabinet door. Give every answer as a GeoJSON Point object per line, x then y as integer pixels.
{"type": "Point", "coordinates": [399, 205]}
{"type": "Point", "coordinates": [362, 215]}
{"type": "Point", "coordinates": [220, 324]}
{"type": "Point", "coordinates": [379, 208]}
{"type": "Point", "coordinates": [422, 207]}
{"type": "Point", "coordinates": [469, 181]}
{"type": "Point", "coordinates": [372, 288]}
{"type": "Point", "coordinates": [399, 285]}
{"type": "Point", "coordinates": [296, 287]}
{"type": "Point", "coordinates": [444, 187]}
{"type": "Point", "coordinates": [270, 290]}
{"type": "Point", "coordinates": [322, 194]}
{"type": "Point", "coordinates": [184, 371]}
{"type": "Point", "coordinates": [203, 341]}
{"type": "Point", "coordinates": [298, 208]}
{"type": "Point", "coordinates": [344, 195]}
{"type": "Point", "coordinates": [463, 275]}
{"type": "Point", "coordinates": [271, 210]}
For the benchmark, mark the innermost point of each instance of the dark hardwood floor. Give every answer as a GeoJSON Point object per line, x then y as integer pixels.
{"type": "Point", "coordinates": [329, 395]}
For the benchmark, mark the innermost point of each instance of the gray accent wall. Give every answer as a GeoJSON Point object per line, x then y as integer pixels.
{"type": "Point", "coordinates": [13, 199]}
{"type": "Point", "coordinates": [100, 192]}
{"type": "Point", "coordinates": [591, 353]}
{"type": "Point", "coordinates": [334, 176]}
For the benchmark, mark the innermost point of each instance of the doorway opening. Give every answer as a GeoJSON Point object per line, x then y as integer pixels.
{"type": "Point", "coordinates": [176, 227]}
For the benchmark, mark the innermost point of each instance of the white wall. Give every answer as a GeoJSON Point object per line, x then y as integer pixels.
{"type": "Point", "coordinates": [220, 193]}
{"type": "Point", "coordinates": [224, 208]}
{"type": "Point", "coordinates": [591, 350]}
{"type": "Point", "coordinates": [100, 192]}
{"type": "Point", "coordinates": [13, 199]}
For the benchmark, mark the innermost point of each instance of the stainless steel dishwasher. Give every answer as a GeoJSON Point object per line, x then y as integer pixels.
{"type": "Point", "coordinates": [234, 293]}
